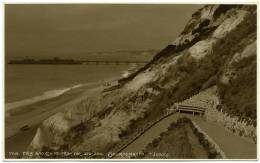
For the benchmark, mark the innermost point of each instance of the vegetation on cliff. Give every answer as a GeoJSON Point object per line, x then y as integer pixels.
{"type": "Point", "coordinates": [212, 49]}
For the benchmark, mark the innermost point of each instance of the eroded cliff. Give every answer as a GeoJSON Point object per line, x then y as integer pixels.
{"type": "Point", "coordinates": [217, 47]}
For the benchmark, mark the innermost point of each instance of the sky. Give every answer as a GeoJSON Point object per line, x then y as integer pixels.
{"type": "Point", "coordinates": [45, 30]}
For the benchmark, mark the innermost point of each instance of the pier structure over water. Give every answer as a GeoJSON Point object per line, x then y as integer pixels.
{"type": "Point", "coordinates": [111, 62]}
{"type": "Point", "coordinates": [58, 61]}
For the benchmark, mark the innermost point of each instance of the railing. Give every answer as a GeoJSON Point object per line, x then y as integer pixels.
{"type": "Point", "coordinates": [177, 108]}
{"type": "Point", "coordinates": [151, 124]}
{"type": "Point", "coordinates": [192, 109]}
{"type": "Point", "coordinates": [142, 131]}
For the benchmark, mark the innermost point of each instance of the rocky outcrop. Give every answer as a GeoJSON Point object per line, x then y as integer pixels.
{"type": "Point", "coordinates": [53, 131]}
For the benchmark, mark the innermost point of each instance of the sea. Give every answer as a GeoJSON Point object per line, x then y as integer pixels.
{"type": "Point", "coordinates": [27, 84]}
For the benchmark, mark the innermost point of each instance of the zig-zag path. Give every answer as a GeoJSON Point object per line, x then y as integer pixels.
{"type": "Point", "coordinates": [233, 146]}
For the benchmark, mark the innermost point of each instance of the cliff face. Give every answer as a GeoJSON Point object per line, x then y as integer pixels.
{"type": "Point", "coordinates": [217, 47]}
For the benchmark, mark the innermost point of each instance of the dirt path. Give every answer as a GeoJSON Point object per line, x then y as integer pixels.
{"type": "Point", "coordinates": [139, 144]}
{"type": "Point", "coordinates": [233, 146]}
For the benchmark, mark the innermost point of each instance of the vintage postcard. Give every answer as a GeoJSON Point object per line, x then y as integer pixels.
{"type": "Point", "coordinates": [130, 81]}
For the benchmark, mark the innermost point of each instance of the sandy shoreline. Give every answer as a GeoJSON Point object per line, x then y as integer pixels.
{"type": "Point", "coordinates": [44, 96]}
{"type": "Point", "coordinates": [32, 115]}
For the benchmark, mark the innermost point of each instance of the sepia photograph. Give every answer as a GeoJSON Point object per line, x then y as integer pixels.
{"type": "Point", "coordinates": [118, 81]}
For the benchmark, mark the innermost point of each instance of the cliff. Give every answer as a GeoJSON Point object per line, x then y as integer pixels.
{"type": "Point", "coordinates": [217, 47]}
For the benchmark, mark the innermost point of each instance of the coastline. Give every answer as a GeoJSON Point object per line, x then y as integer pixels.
{"type": "Point", "coordinates": [44, 96]}
{"type": "Point", "coordinates": [33, 114]}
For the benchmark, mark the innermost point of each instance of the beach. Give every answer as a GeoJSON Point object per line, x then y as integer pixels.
{"type": "Point", "coordinates": [17, 140]}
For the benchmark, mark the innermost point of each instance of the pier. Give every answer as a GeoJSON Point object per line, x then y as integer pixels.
{"type": "Point", "coordinates": [107, 62]}
{"type": "Point", "coordinates": [58, 61]}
